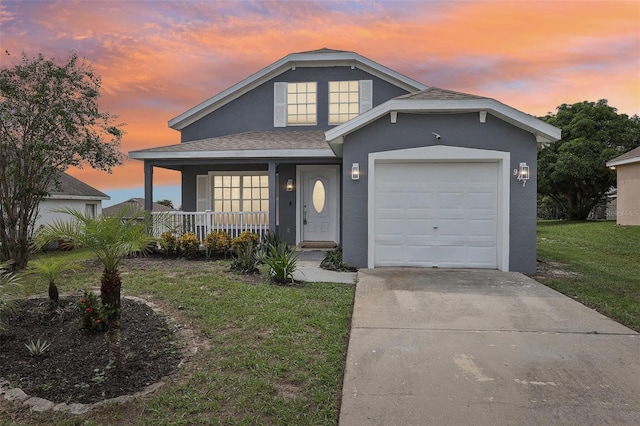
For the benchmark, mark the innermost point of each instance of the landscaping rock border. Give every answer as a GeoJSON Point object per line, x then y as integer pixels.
{"type": "Point", "coordinates": [190, 348]}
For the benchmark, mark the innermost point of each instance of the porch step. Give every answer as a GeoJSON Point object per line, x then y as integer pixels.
{"type": "Point", "coordinates": [318, 244]}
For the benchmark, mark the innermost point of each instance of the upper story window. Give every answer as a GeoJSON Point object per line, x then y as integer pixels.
{"type": "Point", "coordinates": [296, 104]}
{"type": "Point", "coordinates": [344, 101]}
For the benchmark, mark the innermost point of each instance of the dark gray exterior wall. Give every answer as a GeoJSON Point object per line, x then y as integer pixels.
{"type": "Point", "coordinates": [253, 111]}
{"type": "Point", "coordinates": [461, 130]}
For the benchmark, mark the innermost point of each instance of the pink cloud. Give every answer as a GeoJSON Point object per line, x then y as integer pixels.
{"type": "Point", "coordinates": [157, 59]}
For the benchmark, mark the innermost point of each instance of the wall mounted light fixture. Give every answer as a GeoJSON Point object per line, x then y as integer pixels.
{"type": "Point", "coordinates": [355, 171]}
{"type": "Point", "coordinates": [289, 185]}
{"type": "Point", "coordinates": [522, 173]}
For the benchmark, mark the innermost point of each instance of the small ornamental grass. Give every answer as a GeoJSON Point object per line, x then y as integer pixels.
{"type": "Point", "coordinates": [246, 260]}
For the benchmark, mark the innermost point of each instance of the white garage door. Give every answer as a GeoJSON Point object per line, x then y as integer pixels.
{"type": "Point", "coordinates": [436, 214]}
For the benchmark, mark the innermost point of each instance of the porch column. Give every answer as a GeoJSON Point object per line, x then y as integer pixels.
{"type": "Point", "coordinates": [148, 186]}
{"type": "Point", "coordinates": [273, 188]}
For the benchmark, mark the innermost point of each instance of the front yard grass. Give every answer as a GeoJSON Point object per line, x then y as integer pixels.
{"type": "Point", "coordinates": [273, 354]}
{"type": "Point", "coordinates": [605, 259]}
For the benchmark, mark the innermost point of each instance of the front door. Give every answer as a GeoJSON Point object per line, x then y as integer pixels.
{"type": "Point", "coordinates": [319, 203]}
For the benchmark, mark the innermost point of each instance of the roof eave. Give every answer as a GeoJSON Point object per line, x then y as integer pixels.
{"type": "Point", "coordinates": [616, 163]}
{"type": "Point", "coordinates": [77, 197]}
{"type": "Point", "coordinates": [253, 153]}
{"type": "Point", "coordinates": [307, 59]}
{"type": "Point", "coordinates": [544, 132]}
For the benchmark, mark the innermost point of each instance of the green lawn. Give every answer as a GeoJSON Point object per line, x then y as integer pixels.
{"type": "Point", "coordinates": [606, 258]}
{"type": "Point", "coordinates": [276, 354]}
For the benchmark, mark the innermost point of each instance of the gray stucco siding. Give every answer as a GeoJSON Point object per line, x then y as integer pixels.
{"type": "Point", "coordinates": [460, 130]}
{"type": "Point", "coordinates": [253, 111]}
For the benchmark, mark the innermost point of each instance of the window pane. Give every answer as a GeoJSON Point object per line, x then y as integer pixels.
{"type": "Point", "coordinates": [235, 193]}
{"type": "Point", "coordinates": [344, 101]}
{"type": "Point", "coordinates": [217, 206]}
{"type": "Point", "coordinates": [264, 180]}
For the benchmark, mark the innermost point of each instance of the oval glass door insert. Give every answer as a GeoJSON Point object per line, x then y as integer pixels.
{"type": "Point", "coordinates": [318, 196]}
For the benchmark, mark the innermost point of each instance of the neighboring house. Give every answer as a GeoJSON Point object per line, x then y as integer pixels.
{"type": "Point", "coordinates": [331, 147]}
{"type": "Point", "coordinates": [628, 173]}
{"type": "Point", "coordinates": [134, 203]}
{"type": "Point", "coordinates": [70, 194]}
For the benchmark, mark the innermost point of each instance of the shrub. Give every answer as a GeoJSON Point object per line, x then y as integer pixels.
{"type": "Point", "coordinates": [246, 261]}
{"type": "Point", "coordinates": [217, 243]}
{"type": "Point", "coordinates": [244, 237]}
{"type": "Point", "coordinates": [333, 261]}
{"type": "Point", "coordinates": [281, 261]}
{"type": "Point", "coordinates": [93, 314]}
{"type": "Point", "coordinates": [168, 244]}
{"type": "Point", "coordinates": [189, 245]}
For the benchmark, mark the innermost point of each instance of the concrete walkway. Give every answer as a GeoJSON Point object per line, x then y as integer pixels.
{"type": "Point", "coordinates": [308, 269]}
{"type": "Point", "coordinates": [483, 347]}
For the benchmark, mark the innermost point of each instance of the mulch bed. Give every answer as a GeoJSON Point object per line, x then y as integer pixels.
{"type": "Point", "coordinates": [76, 367]}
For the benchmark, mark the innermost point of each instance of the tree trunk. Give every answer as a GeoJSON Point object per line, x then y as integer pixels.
{"type": "Point", "coordinates": [116, 354]}
{"type": "Point", "coordinates": [110, 296]}
{"type": "Point", "coordinates": [53, 294]}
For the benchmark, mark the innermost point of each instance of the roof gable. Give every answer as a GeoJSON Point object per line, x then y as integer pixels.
{"type": "Point", "coordinates": [629, 157]}
{"type": "Point", "coordinates": [435, 100]}
{"type": "Point", "coordinates": [72, 188]}
{"type": "Point", "coordinates": [316, 58]}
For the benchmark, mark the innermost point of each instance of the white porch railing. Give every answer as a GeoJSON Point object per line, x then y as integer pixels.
{"type": "Point", "coordinates": [202, 223]}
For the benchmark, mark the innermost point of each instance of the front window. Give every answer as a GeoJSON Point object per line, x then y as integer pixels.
{"type": "Point", "coordinates": [240, 193]}
{"type": "Point", "coordinates": [344, 101]}
{"type": "Point", "coordinates": [301, 103]}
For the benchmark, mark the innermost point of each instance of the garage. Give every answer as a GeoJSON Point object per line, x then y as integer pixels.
{"type": "Point", "coordinates": [436, 214]}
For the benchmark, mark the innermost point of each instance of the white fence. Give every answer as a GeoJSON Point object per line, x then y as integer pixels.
{"type": "Point", "coordinates": [202, 223]}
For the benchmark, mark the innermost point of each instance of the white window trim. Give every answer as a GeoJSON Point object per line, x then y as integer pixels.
{"type": "Point", "coordinates": [209, 185]}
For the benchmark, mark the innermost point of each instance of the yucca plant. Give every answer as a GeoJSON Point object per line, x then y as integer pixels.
{"type": "Point", "coordinates": [282, 262]}
{"type": "Point", "coordinates": [110, 238]}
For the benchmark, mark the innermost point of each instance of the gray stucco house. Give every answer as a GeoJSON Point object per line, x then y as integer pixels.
{"type": "Point", "coordinates": [330, 147]}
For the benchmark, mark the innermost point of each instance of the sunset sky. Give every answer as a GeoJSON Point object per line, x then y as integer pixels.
{"type": "Point", "coordinates": [159, 58]}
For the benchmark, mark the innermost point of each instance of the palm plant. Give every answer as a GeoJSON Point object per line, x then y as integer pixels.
{"type": "Point", "coordinates": [110, 239]}
{"type": "Point", "coordinates": [7, 279]}
{"type": "Point", "coordinates": [50, 269]}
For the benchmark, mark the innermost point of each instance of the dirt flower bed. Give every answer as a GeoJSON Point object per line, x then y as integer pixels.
{"type": "Point", "coordinates": [75, 367]}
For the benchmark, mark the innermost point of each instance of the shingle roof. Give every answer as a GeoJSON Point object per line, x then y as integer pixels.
{"type": "Point", "coordinates": [262, 140]}
{"type": "Point", "coordinates": [632, 156]}
{"type": "Point", "coordinates": [70, 186]}
{"type": "Point", "coordinates": [434, 93]}
{"type": "Point", "coordinates": [134, 203]}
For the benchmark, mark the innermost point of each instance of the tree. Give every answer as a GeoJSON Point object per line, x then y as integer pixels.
{"type": "Point", "coordinates": [167, 203]}
{"type": "Point", "coordinates": [50, 269]}
{"type": "Point", "coordinates": [49, 120]}
{"type": "Point", "coordinates": [572, 172]}
{"type": "Point", "coordinates": [110, 238]}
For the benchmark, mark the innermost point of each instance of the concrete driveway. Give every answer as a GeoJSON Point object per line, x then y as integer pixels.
{"type": "Point", "coordinates": [483, 347]}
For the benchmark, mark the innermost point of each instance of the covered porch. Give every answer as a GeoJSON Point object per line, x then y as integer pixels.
{"type": "Point", "coordinates": [243, 182]}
